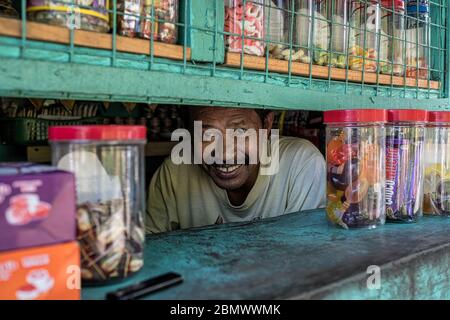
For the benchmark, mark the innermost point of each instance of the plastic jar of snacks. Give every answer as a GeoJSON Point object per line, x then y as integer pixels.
{"type": "Point", "coordinates": [312, 30]}
{"type": "Point", "coordinates": [253, 29]}
{"type": "Point", "coordinates": [338, 16]}
{"type": "Point", "coordinates": [418, 26]}
{"type": "Point", "coordinates": [86, 15]}
{"type": "Point", "coordinates": [164, 15]}
{"type": "Point", "coordinates": [436, 199]}
{"type": "Point", "coordinates": [129, 17]}
{"type": "Point", "coordinates": [393, 37]}
{"type": "Point", "coordinates": [405, 134]}
{"type": "Point", "coordinates": [355, 151]}
{"type": "Point", "coordinates": [108, 164]}
{"type": "Point", "coordinates": [278, 22]}
{"type": "Point", "coordinates": [365, 21]}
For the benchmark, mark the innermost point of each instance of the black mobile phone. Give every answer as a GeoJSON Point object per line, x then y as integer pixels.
{"type": "Point", "coordinates": [146, 287]}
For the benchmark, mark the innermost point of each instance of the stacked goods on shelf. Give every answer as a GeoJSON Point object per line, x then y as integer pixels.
{"type": "Point", "coordinates": [245, 25]}
{"type": "Point", "coordinates": [140, 17]}
{"type": "Point", "coordinates": [302, 124]}
{"type": "Point", "coordinates": [371, 36]}
{"type": "Point", "coordinates": [162, 121]}
{"type": "Point", "coordinates": [39, 258]}
{"type": "Point", "coordinates": [25, 123]}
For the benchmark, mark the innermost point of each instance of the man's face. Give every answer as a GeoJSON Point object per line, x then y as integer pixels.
{"type": "Point", "coordinates": [231, 176]}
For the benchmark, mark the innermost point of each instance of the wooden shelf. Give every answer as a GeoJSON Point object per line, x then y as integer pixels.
{"type": "Point", "coordinates": [321, 72]}
{"type": "Point", "coordinates": [42, 154]}
{"type": "Point", "coordinates": [96, 40]}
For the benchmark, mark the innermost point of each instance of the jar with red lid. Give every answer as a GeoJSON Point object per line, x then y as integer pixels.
{"type": "Point", "coordinates": [436, 200]}
{"type": "Point", "coordinates": [108, 164]}
{"type": "Point", "coordinates": [355, 150]}
{"type": "Point", "coordinates": [405, 134]}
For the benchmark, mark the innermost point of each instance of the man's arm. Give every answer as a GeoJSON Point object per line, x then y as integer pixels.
{"type": "Point", "coordinates": [161, 206]}
{"type": "Point", "coordinates": [309, 186]}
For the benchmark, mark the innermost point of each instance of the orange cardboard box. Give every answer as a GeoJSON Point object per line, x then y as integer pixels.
{"type": "Point", "coordinates": [42, 273]}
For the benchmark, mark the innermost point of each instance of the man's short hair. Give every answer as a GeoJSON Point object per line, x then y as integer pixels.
{"type": "Point", "coordinates": [262, 113]}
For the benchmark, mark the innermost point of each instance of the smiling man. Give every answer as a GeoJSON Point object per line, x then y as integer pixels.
{"type": "Point", "coordinates": [238, 188]}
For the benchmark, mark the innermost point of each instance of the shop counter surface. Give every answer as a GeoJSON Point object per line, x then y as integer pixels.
{"type": "Point", "coordinates": [299, 256]}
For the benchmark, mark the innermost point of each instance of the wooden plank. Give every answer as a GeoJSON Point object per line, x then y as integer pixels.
{"type": "Point", "coordinates": [42, 154]}
{"type": "Point", "coordinates": [97, 40]}
{"type": "Point", "coordinates": [321, 72]}
{"type": "Point", "coordinates": [298, 256]}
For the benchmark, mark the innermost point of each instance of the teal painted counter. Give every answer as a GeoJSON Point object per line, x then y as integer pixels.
{"type": "Point", "coordinates": [299, 256]}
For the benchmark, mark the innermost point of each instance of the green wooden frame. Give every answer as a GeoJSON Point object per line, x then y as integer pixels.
{"type": "Point", "coordinates": [40, 69]}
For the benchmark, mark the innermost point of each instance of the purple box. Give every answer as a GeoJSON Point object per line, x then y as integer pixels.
{"type": "Point", "coordinates": [37, 206]}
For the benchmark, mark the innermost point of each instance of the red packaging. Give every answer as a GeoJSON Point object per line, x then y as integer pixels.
{"type": "Point", "coordinates": [45, 273]}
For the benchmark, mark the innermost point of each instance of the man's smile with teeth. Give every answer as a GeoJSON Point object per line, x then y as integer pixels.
{"type": "Point", "coordinates": [227, 168]}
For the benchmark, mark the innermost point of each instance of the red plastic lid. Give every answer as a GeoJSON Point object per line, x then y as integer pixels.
{"type": "Point", "coordinates": [409, 115]}
{"type": "Point", "coordinates": [398, 4]}
{"type": "Point", "coordinates": [108, 132]}
{"type": "Point", "coordinates": [438, 116]}
{"type": "Point", "coordinates": [356, 115]}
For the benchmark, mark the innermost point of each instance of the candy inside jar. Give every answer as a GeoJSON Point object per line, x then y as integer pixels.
{"type": "Point", "coordinates": [436, 198]}
{"type": "Point", "coordinates": [338, 16]}
{"type": "Point", "coordinates": [365, 21]}
{"type": "Point", "coordinates": [165, 17]}
{"type": "Point", "coordinates": [108, 164]}
{"type": "Point", "coordinates": [312, 31]}
{"type": "Point", "coordinates": [355, 168]}
{"type": "Point", "coordinates": [246, 26]}
{"type": "Point", "coordinates": [405, 134]}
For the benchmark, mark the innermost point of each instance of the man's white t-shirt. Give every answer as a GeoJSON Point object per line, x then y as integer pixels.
{"type": "Point", "coordinates": [184, 196]}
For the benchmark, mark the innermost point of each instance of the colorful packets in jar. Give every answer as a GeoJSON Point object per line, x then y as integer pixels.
{"type": "Point", "coordinates": [355, 168]}
{"type": "Point", "coordinates": [162, 16]}
{"type": "Point", "coordinates": [128, 17]}
{"type": "Point", "coordinates": [89, 15]}
{"type": "Point", "coordinates": [245, 23]}
{"type": "Point", "coordinates": [405, 132]}
{"type": "Point", "coordinates": [436, 198]}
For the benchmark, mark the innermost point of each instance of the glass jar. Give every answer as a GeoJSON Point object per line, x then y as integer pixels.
{"type": "Point", "coordinates": [79, 14]}
{"type": "Point", "coordinates": [436, 200]}
{"type": "Point", "coordinates": [108, 164]}
{"type": "Point", "coordinates": [254, 28]}
{"type": "Point", "coordinates": [338, 16]}
{"type": "Point", "coordinates": [417, 39]}
{"type": "Point", "coordinates": [405, 134]}
{"type": "Point", "coordinates": [128, 17]}
{"type": "Point", "coordinates": [392, 37]}
{"type": "Point", "coordinates": [277, 23]}
{"type": "Point", "coordinates": [355, 150]}
{"type": "Point", "coordinates": [166, 18]}
{"type": "Point", "coordinates": [365, 21]}
{"type": "Point", "coordinates": [312, 31]}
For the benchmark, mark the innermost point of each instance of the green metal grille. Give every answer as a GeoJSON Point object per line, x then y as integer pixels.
{"type": "Point", "coordinates": [203, 74]}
